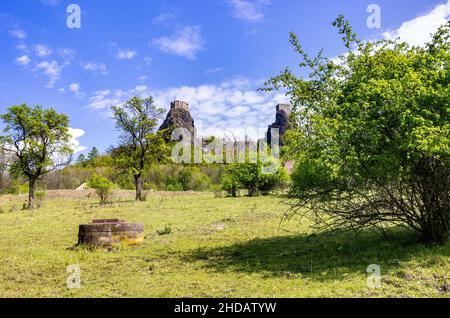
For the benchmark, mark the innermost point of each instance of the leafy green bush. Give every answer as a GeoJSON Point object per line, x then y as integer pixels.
{"type": "Point", "coordinates": [229, 183]}
{"type": "Point", "coordinates": [175, 187]}
{"type": "Point", "coordinates": [270, 182]}
{"type": "Point", "coordinates": [251, 176]}
{"type": "Point", "coordinates": [247, 176]}
{"type": "Point", "coordinates": [193, 179]}
{"type": "Point", "coordinates": [39, 196]}
{"type": "Point", "coordinates": [165, 231]}
{"type": "Point", "coordinates": [103, 187]}
{"type": "Point", "coordinates": [375, 135]}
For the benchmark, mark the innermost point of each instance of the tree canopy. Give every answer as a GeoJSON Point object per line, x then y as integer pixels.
{"type": "Point", "coordinates": [137, 120]}
{"type": "Point", "coordinates": [37, 140]}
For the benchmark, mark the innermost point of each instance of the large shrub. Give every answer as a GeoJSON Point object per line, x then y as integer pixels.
{"type": "Point", "coordinates": [373, 140]}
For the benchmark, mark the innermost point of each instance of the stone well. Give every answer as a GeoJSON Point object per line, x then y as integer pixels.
{"type": "Point", "coordinates": [110, 232]}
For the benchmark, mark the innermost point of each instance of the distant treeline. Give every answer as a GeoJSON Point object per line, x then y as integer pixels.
{"type": "Point", "coordinates": [158, 177]}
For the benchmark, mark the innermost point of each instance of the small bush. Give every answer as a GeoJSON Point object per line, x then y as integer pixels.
{"type": "Point", "coordinates": [270, 182]}
{"type": "Point", "coordinates": [193, 179]}
{"type": "Point", "coordinates": [39, 196]}
{"type": "Point", "coordinates": [175, 187]}
{"type": "Point", "coordinates": [165, 231]}
{"type": "Point", "coordinates": [102, 186]}
{"type": "Point", "coordinates": [229, 184]}
{"type": "Point", "coordinates": [250, 176]}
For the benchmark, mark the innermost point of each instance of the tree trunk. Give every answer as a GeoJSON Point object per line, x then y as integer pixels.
{"type": "Point", "coordinates": [31, 189]}
{"type": "Point", "coordinates": [434, 187]}
{"type": "Point", "coordinates": [233, 190]}
{"type": "Point", "coordinates": [138, 184]}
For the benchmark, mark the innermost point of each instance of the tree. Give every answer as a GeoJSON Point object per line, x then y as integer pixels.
{"type": "Point", "coordinates": [3, 170]}
{"type": "Point", "coordinates": [373, 144]}
{"type": "Point", "coordinates": [137, 120]}
{"type": "Point", "coordinates": [81, 160]}
{"type": "Point", "coordinates": [93, 155]}
{"type": "Point", "coordinates": [38, 141]}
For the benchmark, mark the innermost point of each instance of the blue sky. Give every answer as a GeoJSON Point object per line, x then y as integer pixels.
{"type": "Point", "coordinates": [213, 54]}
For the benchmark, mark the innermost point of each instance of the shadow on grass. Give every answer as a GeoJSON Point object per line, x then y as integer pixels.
{"type": "Point", "coordinates": [320, 257]}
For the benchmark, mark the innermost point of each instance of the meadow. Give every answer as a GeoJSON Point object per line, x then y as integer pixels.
{"type": "Point", "coordinates": [199, 245]}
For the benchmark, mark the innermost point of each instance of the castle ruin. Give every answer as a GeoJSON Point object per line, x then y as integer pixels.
{"type": "Point", "coordinates": [283, 111]}
{"type": "Point", "coordinates": [179, 104]}
{"type": "Point", "coordinates": [179, 117]}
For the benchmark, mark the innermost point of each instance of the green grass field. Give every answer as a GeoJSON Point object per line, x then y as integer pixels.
{"type": "Point", "coordinates": [217, 247]}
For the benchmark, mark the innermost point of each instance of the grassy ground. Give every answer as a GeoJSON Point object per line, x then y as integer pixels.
{"type": "Point", "coordinates": [218, 247]}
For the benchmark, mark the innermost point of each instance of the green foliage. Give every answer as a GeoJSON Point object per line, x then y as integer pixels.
{"type": "Point", "coordinates": [93, 155]}
{"type": "Point", "coordinates": [251, 177]}
{"type": "Point", "coordinates": [229, 182]}
{"type": "Point", "coordinates": [38, 141]}
{"type": "Point", "coordinates": [192, 179]}
{"type": "Point", "coordinates": [373, 144]}
{"type": "Point", "coordinates": [269, 182]}
{"type": "Point", "coordinates": [165, 231]}
{"type": "Point", "coordinates": [155, 177]}
{"type": "Point", "coordinates": [18, 187]}
{"type": "Point", "coordinates": [175, 187]}
{"type": "Point", "coordinates": [103, 187]}
{"type": "Point", "coordinates": [186, 178]}
{"type": "Point", "coordinates": [40, 197]}
{"type": "Point", "coordinates": [137, 120]}
{"type": "Point", "coordinates": [81, 159]}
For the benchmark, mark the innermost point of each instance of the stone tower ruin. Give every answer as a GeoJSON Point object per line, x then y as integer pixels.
{"type": "Point", "coordinates": [283, 112]}
{"type": "Point", "coordinates": [179, 117]}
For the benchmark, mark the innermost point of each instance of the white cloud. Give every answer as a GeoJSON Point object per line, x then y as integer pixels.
{"type": "Point", "coordinates": [23, 60]}
{"type": "Point", "coordinates": [42, 50]}
{"type": "Point", "coordinates": [99, 68]}
{"type": "Point", "coordinates": [126, 54]}
{"type": "Point", "coordinates": [147, 60]}
{"type": "Point", "coordinates": [51, 2]}
{"type": "Point", "coordinates": [18, 34]}
{"type": "Point", "coordinates": [103, 99]}
{"type": "Point", "coordinates": [415, 32]}
{"type": "Point", "coordinates": [52, 69]}
{"type": "Point", "coordinates": [22, 47]}
{"type": "Point", "coordinates": [186, 42]}
{"type": "Point", "coordinates": [75, 143]}
{"type": "Point", "coordinates": [213, 70]}
{"type": "Point", "coordinates": [249, 10]}
{"type": "Point", "coordinates": [140, 88]}
{"type": "Point", "coordinates": [164, 18]}
{"type": "Point", "coordinates": [234, 106]}
{"type": "Point", "coordinates": [74, 87]}
{"type": "Point", "coordinates": [418, 30]}
{"type": "Point", "coordinates": [67, 53]}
